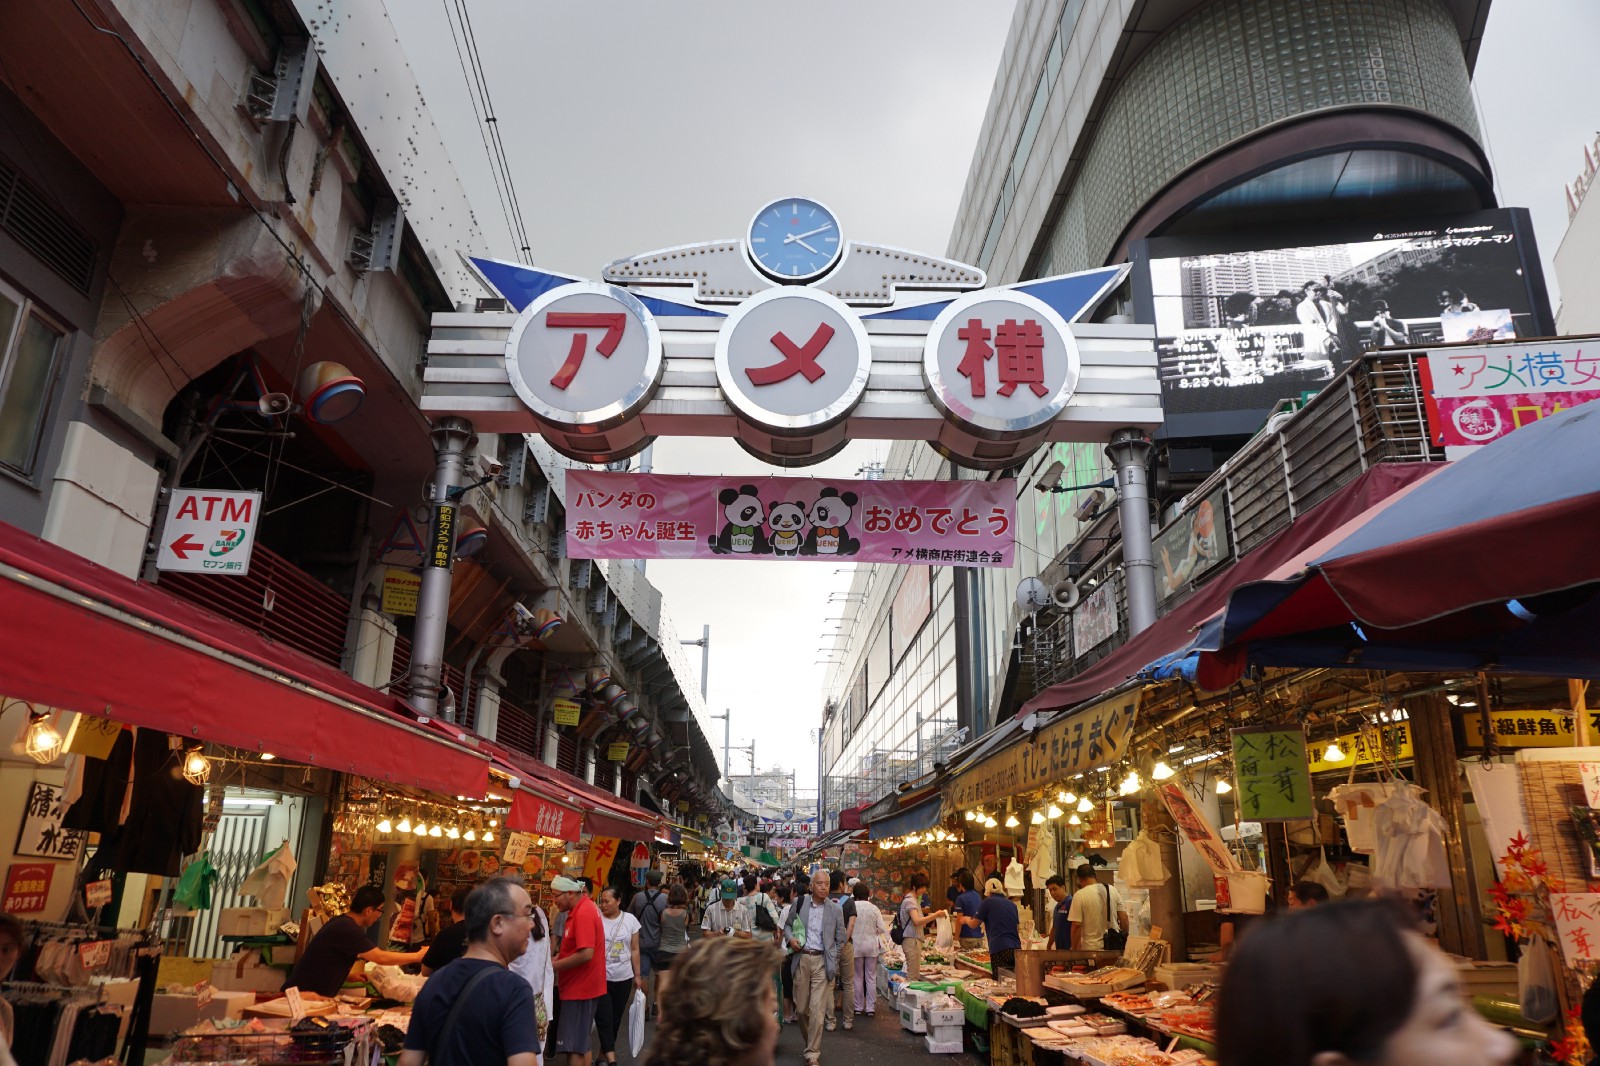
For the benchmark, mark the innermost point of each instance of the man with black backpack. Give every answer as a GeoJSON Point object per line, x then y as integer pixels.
{"type": "Point", "coordinates": [647, 906]}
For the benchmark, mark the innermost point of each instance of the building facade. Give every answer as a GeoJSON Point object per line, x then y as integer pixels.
{"type": "Point", "coordinates": [1577, 259]}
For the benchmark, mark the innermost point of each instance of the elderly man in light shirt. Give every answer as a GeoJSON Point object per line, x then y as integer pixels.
{"type": "Point", "coordinates": [816, 933]}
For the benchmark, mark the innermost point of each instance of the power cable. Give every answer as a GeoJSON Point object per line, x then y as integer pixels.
{"type": "Point", "coordinates": [472, 98]}
{"type": "Point", "coordinates": [490, 120]}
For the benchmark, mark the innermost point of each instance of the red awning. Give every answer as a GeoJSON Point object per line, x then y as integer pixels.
{"type": "Point", "coordinates": [604, 814]}
{"type": "Point", "coordinates": [84, 638]}
{"type": "Point", "coordinates": [1289, 547]}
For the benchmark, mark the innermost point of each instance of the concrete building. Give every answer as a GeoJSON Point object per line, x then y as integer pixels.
{"type": "Point", "coordinates": [1577, 259]}
{"type": "Point", "coordinates": [1110, 121]}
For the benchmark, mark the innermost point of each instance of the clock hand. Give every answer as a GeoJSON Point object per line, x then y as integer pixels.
{"type": "Point", "coordinates": [812, 233]}
{"type": "Point", "coordinates": [806, 246]}
{"type": "Point", "coordinates": [799, 238]}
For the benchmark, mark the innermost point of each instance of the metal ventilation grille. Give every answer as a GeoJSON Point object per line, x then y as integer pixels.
{"type": "Point", "coordinates": [44, 231]}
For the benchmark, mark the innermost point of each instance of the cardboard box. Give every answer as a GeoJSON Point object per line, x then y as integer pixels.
{"type": "Point", "coordinates": [1180, 975]}
{"type": "Point", "coordinates": [249, 921]}
{"type": "Point", "coordinates": [245, 972]}
{"type": "Point", "coordinates": [948, 1047]}
{"type": "Point", "coordinates": [174, 1013]}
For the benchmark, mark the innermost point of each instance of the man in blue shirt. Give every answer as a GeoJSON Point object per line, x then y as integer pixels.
{"type": "Point", "coordinates": [1060, 927]}
{"type": "Point", "coordinates": [968, 925]}
{"type": "Point", "coordinates": [999, 917]}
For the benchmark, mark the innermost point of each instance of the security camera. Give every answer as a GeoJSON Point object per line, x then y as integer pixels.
{"type": "Point", "coordinates": [490, 466]}
{"type": "Point", "coordinates": [1089, 506]}
{"type": "Point", "coordinates": [523, 618]}
{"type": "Point", "coordinates": [1051, 477]}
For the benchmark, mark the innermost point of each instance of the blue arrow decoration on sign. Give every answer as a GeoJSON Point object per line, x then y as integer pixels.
{"type": "Point", "coordinates": [1070, 295]}
{"type": "Point", "coordinates": [521, 285]}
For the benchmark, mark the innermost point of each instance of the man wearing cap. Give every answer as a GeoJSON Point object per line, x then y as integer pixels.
{"type": "Point", "coordinates": [816, 935]}
{"type": "Point", "coordinates": [580, 966]}
{"type": "Point", "coordinates": [999, 917]}
{"type": "Point", "coordinates": [727, 917]}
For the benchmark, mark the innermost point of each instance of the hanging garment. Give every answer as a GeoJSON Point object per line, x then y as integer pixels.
{"type": "Point", "coordinates": [1042, 863]}
{"type": "Point", "coordinates": [1141, 865]}
{"type": "Point", "coordinates": [1015, 882]}
{"type": "Point", "coordinates": [1410, 843]}
{"type": "Point", "coordinates": [194, 887]}
{"type": "Point", "coordinates": [269, 882]}
{"type": "Point", "coordinates": [158, 815]}
{"type": "Point", "coordinates": [1356, 805]}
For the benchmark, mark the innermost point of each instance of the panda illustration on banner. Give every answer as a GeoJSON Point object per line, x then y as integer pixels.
{"type": "Point", "coordinates": [830, 520]}
{"type": "Point", "coordinates": [786, 520]}
{"type": "Point", "coordinates": [743, 517]}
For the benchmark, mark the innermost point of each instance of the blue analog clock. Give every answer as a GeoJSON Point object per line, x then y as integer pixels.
{"type": "Point", "coordinates": [795, 239]}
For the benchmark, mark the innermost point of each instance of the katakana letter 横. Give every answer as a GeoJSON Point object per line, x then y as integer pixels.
{"type": "Point", "coordinates": [976, 334]}
{"type": "Point", "coordinates": [612, 323]}
{"type": "Point", "coordinates": [1021, 362]}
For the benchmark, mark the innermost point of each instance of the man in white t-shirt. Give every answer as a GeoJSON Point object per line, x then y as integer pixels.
{"type": "Point", "coordinates": [1092, 905]}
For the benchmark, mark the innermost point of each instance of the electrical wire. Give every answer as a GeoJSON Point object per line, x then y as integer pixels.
{"type": "Point", "coordinates": [488, 151]}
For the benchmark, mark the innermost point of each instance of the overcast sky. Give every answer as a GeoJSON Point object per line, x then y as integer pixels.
{"type": "Point", "coordinates": [635, 126]}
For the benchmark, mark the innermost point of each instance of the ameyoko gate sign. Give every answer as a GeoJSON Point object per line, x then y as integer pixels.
{"type": "Point", "coordinates": [793, 341]}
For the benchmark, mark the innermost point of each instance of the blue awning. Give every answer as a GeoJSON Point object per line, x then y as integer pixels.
{"type": "Point", "coordinates": [924, 815]}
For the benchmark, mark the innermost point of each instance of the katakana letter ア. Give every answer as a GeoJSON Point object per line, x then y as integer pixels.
{"type": "Point", "coordinates": [976, 334]}
{"type": "Point", "coordinates": [1021, 349]}
{"type": "Point", "coordinates": [612, 323]}
{"type": "Point", "coordinates": [796, 359]}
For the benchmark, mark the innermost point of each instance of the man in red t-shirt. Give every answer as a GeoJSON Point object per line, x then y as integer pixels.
{"type": "Point", "coordinates": [580, 966]}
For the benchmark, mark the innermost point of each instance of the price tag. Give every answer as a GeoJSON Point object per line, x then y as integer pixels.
{"type": "Point", "coordinates": [95, 954]}
{"type": "Point", "coordinates": [297, 1006]}
{"type": "Point", "coordinates": [203, 991]}
{"type": "Point", "coordinates": [97, 893]}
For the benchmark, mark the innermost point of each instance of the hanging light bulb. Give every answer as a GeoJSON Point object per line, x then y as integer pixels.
{"type": "Point", "coordinates": [1053, 813]}
{"type": "Point", "coordinates": [453, 833]}
{"type": "Point", "coordinates": [1038, 817]}
{"type": "Point", "coordinates": [471, 834]}
{"type": "Point", "coordinates": [969, 816]}
{"type": "Point", "coordinates": [493, 823]}
{"type": "Point", "coordinates": [385, 826]}
{"type": "Point", "coordinates": [196, 767]}
{"type": "Point", "coordinates": [1224, 786]}
{"type": "Point", "coordinates": [1066, 799]}
{"type": "Point", "coordinates": [435, 831]}
{"type": "Point", "coordinates": [1085, 805]}
{"type": "Point", "coordinates": [1162, 771]}
{"type": "Point", "coordinates": [40, 740]}
{"type": "Point", "coordinates": [488, 837]}
{"type": "Point", "coordinates": [1011, 820]}
{"type": "Point", "coordinates": [1074, 820]}
{"type": "Point", "coordinates": [989, 822]}
{"type": "Point", "coordinates": [1334, 752]}
{"type": "Point", "coordinates": [912, 839]}
{"type": "Point", "coordinates": [421, 828]}
{"type": "Point", "coordinates": [267, 756]}
{"type": "Point", "coordinates": [405, 824]}
{"type": "Point", "coordinates": [1130, 784]}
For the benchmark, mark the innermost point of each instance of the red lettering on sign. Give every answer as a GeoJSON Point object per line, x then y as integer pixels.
{"type": "Point", "coordinates": [236, 510]}
{"type": "Point", "coordinates": [796, 360]}
{"type": "Point", "coordinates": [612, 323]}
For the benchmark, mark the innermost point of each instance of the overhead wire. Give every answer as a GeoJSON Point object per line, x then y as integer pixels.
{"type": "Point", "coordinates": [477, 114]}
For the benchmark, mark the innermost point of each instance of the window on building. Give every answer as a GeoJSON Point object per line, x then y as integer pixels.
{"type": "Point", "coordinates": [30, 355]}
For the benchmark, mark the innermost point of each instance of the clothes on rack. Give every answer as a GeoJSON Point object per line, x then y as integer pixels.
{"type": "Point", "coordinates": [147, 815]}
{"type": "Point", "coordinates": [55, 1026]}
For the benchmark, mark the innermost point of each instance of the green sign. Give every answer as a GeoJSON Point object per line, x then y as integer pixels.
{"type": "Point", "coordinates": [1272, 774]}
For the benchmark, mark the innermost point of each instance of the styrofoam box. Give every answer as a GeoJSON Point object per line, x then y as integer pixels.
{"type": "Point", "coordinates": [946, 1047]}
{"type": "Point", "coordinates": [914, 997]}
{"type": "Point", "coordinates": [948, 1016]}
{"type": "Point", "coordinates": [943, 1034]}
{"type": "Point", "coordinates": [911, 1019]}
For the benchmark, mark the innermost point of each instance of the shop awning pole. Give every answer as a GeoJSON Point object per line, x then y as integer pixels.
{"type": "Point", "coordinates": [1576, 692]}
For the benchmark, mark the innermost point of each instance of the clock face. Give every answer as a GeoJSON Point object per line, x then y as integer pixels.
{"type": "Point", "coordinates": [795, 239]}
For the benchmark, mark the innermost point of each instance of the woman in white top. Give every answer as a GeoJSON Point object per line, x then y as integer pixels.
{"type": "Point", "coordinates": [864, 934]}
{"type": "Point", "coordinates": [623, 976]}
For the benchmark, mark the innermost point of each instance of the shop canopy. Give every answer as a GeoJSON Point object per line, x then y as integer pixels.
{"type": "Point", "coordinates": [1488, 564]}
{"type": "Point", "coordinates": [1174, 632]}
{"type": "Point", "coordinates": [80, 637]}
{"type": "Point", "coordinates": [914, 819]}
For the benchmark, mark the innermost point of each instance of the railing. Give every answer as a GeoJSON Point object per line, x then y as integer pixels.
{"type": "Point", "coordinates": [518, 729]}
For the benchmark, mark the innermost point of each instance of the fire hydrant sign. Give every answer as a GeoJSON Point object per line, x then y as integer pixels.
{"type": "Point", "coordinates": [209, 531]}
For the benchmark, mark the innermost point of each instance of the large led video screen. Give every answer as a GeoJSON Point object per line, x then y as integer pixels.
{"type": "Point", "coordinates": [1245, 324]}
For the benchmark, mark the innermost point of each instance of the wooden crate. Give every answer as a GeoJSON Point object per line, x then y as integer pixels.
{"type": "Point", "coordinates": [1031, 966]}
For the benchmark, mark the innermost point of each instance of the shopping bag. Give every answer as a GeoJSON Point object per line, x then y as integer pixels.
{"type": "Point", "coordinates": [636, 1024]}
{"type": "Point", "coordinates": [1536, 983]}
{"type": "Point", "coordinates": [1323, 874]}
{"type": "Point", "coordinates": [943, 939]}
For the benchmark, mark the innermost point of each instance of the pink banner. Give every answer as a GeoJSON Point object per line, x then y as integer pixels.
{"type": "Point", "coordinates": [662, 516]}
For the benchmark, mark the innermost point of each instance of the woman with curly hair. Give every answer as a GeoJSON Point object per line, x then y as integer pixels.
{"type": "Point", "coordinates": [702, 1023]}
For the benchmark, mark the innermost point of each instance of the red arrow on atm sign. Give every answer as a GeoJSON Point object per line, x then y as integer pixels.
{"type": "Point", "coordinates": [184, 545]}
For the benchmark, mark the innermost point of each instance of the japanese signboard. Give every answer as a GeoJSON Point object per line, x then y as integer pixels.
{"type": "Point", "coordinates": [657, 516]}
{"type": "Point", "coordinates": [1000, 362]}
{"type": "Point", "coordinates": [1272, 779]}
{"type": "Point", "coordinates": [400, 590]}
{"type": "Point", "coordinates": [1195, 828]}
{"type": "Point", "coordinates": [1479, 394]}
{"type": "Point", "coordinates": [805, 826]}
{"type": "Point", "coordinates": [1067, 745]}
{"type": "Point", "coordinates": [1192, 544]}
{"type": "Point", "coordinates": [1094, 620]}
{"type": "Point", "coordinates": [441, 548]}
{"type": "Point", "coordinates": [566, 712]}
{"type": "Point", "coordinates": [1521, 729]}
{"type": "Point", "coordinates": [42, 835]}
{"type": "Point", "coordinates": [597, 863]}
{"type": "Point", "coordinates": [93, 737]}
{"type": "Point", "coordinates": [617, 752]}
{"type": "Point", "coordinates": [517, 848]}
{"type": "Point", "coordinates": [535, 814]}
{"type": "Point", "coordinates": [1365, 748]}
{"type": "Point", "coordinates": [97, 893]}
{"type": "Point", "coordinates": [209, 531]}
{"type": "Point", "coordinates": [27, 887]}
{"type": "Point", "coordinates": [793, 359]}
{"type": "Point", "coordinates": [1577, 916]}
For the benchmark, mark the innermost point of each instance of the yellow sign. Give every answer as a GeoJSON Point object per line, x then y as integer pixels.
{"type": "Point", "coordinates": [617, 752]}
{"type": "Point", "coordinates": [93, 737]}
{"type": "Point", "coordinates": [597, 863]}
{"type": "Point", "coordinates": [1521, 729]}
{"type": "Point", "coordinates": [442, 537]}
{"type": "Point", "coordinates": [400, 589]}
{"type": "Point", "coordinates": [566, 711]}
{"type": "Point", "coordinates": [1068, 745]}
{"type": "Point", "coordinates": [1364, 748]}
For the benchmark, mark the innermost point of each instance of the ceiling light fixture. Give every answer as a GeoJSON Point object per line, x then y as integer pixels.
{"type": "Point", "coordinates": [1038, 818]}
{"type": "Point", "coordinates": [1334, 752]}
{"type": "Point", "coordinates": [405, 824]}
{"type": "Point", "coordinates": [1085, 805]}
{"type": "Point", "coordinates": [385, 826]}
{"type": "Point", "coordinates": [1066, 799]}
{"type": "Point", "coordinates": [196, 767]}
{"type": "Point", "coordinates": [1053, 813]}
{"type": "Point", "coordinates": [1162, 771]}
{"type": "Point", "coordinates": [40, 740]}
{"type": "Point", "coordinates": [1224, 786]}
{"type": "Point", "coordinates": [1011, 820]}
{"type": "Point", "coordinates": [1074, 820]}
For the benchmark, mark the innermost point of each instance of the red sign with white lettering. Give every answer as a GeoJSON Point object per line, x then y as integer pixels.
{"type": "Point", "coordinates": [27, 887]}
{"type": "Point", "coordinates": [535, 814]}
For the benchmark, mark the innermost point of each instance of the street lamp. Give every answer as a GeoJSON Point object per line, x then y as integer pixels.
{"type": "Point", "coordinates": [704, 644]}
{"type": "Point", "coordinates": [727, 737]}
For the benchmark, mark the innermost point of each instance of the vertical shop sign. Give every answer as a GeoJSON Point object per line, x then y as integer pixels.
{"type": "Point", "coordinates": [442, 537]}
{"type": "Point", "coordinates": [27, 887]}
{"type": "Point", "coordinates": [1577, 916]}
{"type": "Point", "coordinates": [1199, 832]}
{"type": "Point", "coordinates": [597, 863]}
{"type": "Point", "coordinates": [42, 835]}
{"type": "Point", "coordinates": [1272, 774]}
{"type": "Point", "coordinates": [566, 711]}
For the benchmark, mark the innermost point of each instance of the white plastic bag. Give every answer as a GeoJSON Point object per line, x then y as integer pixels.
{"type": "Point", "coordinates": [1536, 983]}
{"type": "Point", "coordinates": [943, 939]}
{"type": "Point", "coordinates": [1323, 874]}
{"type": "Point", "coordinates": [636, 1024]}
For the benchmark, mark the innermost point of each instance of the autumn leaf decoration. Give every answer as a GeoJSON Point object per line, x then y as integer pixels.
{"type": "Point", "coordinates": [1521, 898]}
{"type": "Point", "coordinates": [1572, 1049]}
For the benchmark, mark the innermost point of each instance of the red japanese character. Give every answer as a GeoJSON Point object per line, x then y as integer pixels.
{"type": "Point", "coordinates": [968, 526]}
{"type": "Point", "coordinates": [1021, 356]}
{"type": "Point", "coordinates": [879, 520]}
{"type": "Point", "coordinates": [908, 520]}
{"type": "Point", "coordinates": [939, 519]}
{"type": "Point", "coordinates": [796, 360]}
{"type": "Point", "coordinates": [612, 323]}
{"type": "Point", "coordinates": [976, 334]}
{"type": "Point", "coordinates": [998, 521]}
